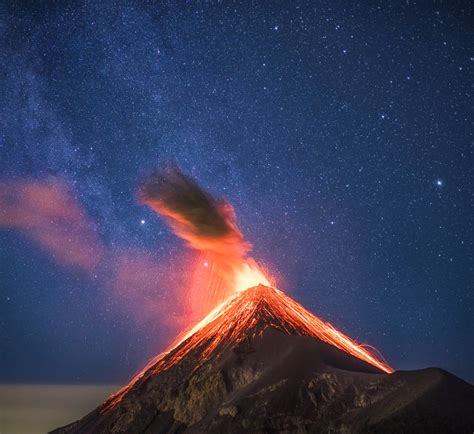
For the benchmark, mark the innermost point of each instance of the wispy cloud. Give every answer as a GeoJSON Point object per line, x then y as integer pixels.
{"type": "Point", "coordinates": [47, 212]}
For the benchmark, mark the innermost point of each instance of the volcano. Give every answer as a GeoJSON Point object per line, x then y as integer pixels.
{"type": "Point", "coordinates": [262, 363]}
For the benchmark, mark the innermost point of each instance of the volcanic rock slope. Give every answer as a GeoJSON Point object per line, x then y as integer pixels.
{"type": "Point", "coordinates": [257, 365]}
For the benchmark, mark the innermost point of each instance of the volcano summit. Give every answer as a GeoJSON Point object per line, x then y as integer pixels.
{"type": "Point", "coordinates": [262, 363]}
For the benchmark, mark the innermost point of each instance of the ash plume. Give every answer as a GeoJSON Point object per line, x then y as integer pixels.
{"type": "Point", "coordinates": [206, 223]}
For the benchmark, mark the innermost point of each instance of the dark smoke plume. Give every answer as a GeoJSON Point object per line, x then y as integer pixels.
{"type": "Point", "coordinates": [206, 223]}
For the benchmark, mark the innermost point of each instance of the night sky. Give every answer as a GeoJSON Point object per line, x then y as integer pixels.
{"type": "Point", "coordinates": [340, 131]}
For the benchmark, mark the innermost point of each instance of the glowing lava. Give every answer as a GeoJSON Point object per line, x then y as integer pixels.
{"type": "Point", "coordinates": [244, 317]}
{"type": "Point", "coordinates": [248, 314]}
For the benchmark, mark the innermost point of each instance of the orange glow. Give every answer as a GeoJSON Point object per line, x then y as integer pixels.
{"type": "Point", "coordinates": [222, 268]}
{"type": "Point", "coordinates": [248, 276]}
{"type": "Point", "coordinates": [245, 316]}
{"type": "Point", "coordinates": [209, 226]}
{"type": "Point", "coordinates": [212, 284]}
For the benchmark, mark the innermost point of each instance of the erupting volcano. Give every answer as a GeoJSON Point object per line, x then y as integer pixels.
{"type": "Point", "coordinates": [241, 319]}
{"type": "Point", "coordinates": [259, 361]}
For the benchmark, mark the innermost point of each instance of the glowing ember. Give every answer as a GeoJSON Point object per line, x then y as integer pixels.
{"type": "Point", "coordinates": [244, 317]}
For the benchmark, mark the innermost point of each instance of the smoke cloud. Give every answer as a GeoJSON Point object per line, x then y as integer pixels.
{"type": "Point", "coordinates": [206, 223]}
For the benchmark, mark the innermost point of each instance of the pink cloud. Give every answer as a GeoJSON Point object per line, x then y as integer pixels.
{"type": "Point", "coordinates": [47, 212]}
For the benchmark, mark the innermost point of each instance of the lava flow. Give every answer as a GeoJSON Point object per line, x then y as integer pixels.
{"type": "Point", "coordinates": [244, 317]}
{"type": "Point", "coordinates": [247, 315]}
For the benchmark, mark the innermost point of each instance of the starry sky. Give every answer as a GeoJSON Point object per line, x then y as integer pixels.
{"type": "Point", "coordinates": [340, 131]}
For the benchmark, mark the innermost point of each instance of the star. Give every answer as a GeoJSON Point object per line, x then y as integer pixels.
{"type": "Point", "coordinates": [142, 222]}
{"type": "Point", "coordinates": [439, 182]}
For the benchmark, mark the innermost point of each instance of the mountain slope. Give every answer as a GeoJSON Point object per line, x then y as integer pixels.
{"type": "Point", "coordinates": [262, 363]}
